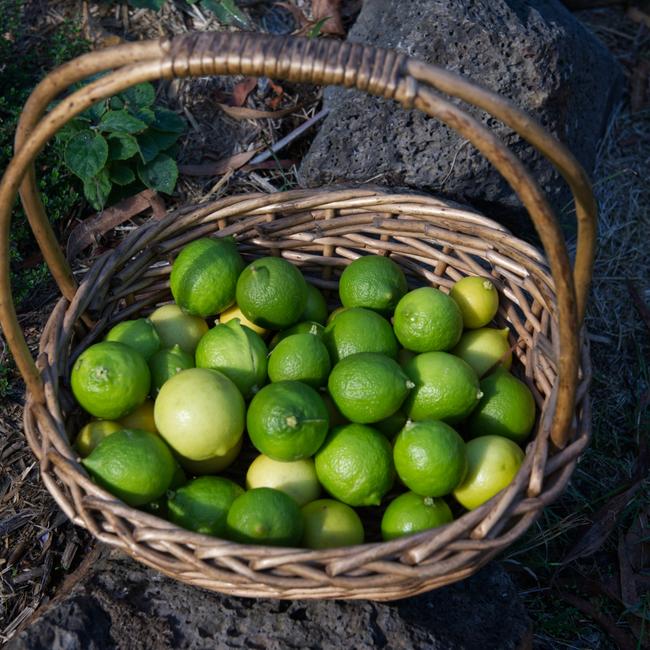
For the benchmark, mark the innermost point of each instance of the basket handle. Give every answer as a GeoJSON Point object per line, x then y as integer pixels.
{"type": "Point", "coordinates": [324, 62]}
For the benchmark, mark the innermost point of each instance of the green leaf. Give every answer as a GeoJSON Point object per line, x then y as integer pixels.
{"type": "Point", "coordinates": [121, 122]}
{"type": "Point", "coordinates": [86, 153]}
{"type": "Point", "coordinates": [160, 174]}
{"type": "Point", "coordinates": [227, 12]}
{"type": "Point", "coordinates": [140, 96]}
{"type": "Point", "coordinates": [152, 142]}
{"type": "Point", "coordinates": [166, 120]}
{"type": "Point", "coordinates": [73, 127]}
{"type": "Point", "coordinates": [144, 114]}
{"type": "Point", "coordinates": [317, 28]}
{"type": "Point", "coordinates": [122, 146]}
{"type": "Point", "coordinates": [121, 174]}
{"type": "Point", "coordinates": [115, 103]}
{"type": "Point", "coordinates": [156, 5]}
{"type": "Point", "coordinates": [97, 188]}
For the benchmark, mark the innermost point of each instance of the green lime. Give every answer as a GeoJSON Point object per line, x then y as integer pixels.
{"type": "Point", "coordinates": [265, 516]}
{"type": "Point", "coordinates": [140, 418]}
{"type": "Point", "coordinates": [237, 352]}
{"type": "Point", "coordinates": [287, 420]}
{"type": "Point", "coordinates": [391, 425]}
{"type": "Point", "coordinates": [427, 319]}
{"type": "Point", "coordinates": [233, 312]}
{"type": "Point", "coordinates": [483, 348]}
{"type": "Point", "coordinates": [138, 334]}
{"type": "Point", "coordinates": [430, 457]}
{"type": "Point", "coordinates": [355, 465]}
{"type": "Point", "coordinates": [202, 505]}
{"type": "Point", "coordinates": [166, 363]}
{"type": "Point", "coordinates": [478, 300]}
{"type": "Point", "coordinates": [330, 524]}
{"type": "Point", "coordinates": [359, 330]}
{"type": "Point", "coordinates": [374, 282]}
{"type": "Point", "coordinates": [93, 433]}
{"type": "Point", "coordinates": [316, 307]}
{"type": "Point", "coordinates": [412, 513]}
{"type": "Point", "coordinates": [304, 327]}
{"type": "Point", "coordinates": [175, 327]}
{"type": "Point", "coordinates": [136, 466]}
{"type": "Point", "coordinates": [110, 379]}
{"type": "Point", "coordinates": [272, 293]}
{"type": "Point", "coordinates": [158, 506]}
{"type": "Point", "coordinates": [204, 276]}
{"type": "Point", "coordinates": [214, 464]}
{"type": "Point", "coordinates": [300, 357]}
{"type": "Point", "coordinates": [492, 463]}
{"type": "Point", "coordinates": [507, 408]}
{"type": "Point", "coordinates": [368, 387]}
{"type": "Point", "coordinates": [446, 388]}
{"type": "Point", "coordinates": [296, 478]}
{"type": "Point", "coordinates": [335, 313]}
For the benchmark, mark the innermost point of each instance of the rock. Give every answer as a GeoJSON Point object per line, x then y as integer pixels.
{"type": "Point", "coordinates": [119, 604]}
{"type": "Point", "coordinates": [532, 51]}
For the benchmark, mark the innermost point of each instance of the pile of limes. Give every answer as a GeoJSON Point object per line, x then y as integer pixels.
{"type": "Point", "coordinates": [396, 400]}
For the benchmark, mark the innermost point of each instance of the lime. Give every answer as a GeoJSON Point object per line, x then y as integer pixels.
{"type": "Point", "coordinates": [202, 505]}
{"type": "Point", "coordinates": [426, 319]}
{"type": "Point", "coordinates": [237, 352]}
{"type": "Point", "coordinates": [93, 433]}
{"type": "Point", "coordinates": [265, 516]}
{"type": "Point", "coordinates": [272, 293]}
{"type": "Point", "coordinates": [507, 408]}
{"type": "Point", "coordinates": [446, 388]}
{"type": "Point", "coordinates": [368, 387]}
{"type": "Point", "coordinates": [300, 357]}
{"type": "Point", "coordinates": [391, 425]}
{"type": "Point", "coordinates": [374, 282]}
{"type": "Point", "coordinates": [412, 513]}
{"type": "Point", "coordinates": [296, 478]}
{"type": "Point", "coordinates": [492, 463]}
{"type": "Point", "coordinates": [200, 413]}
{"type": "Point", "coordinates": [335, 313]}
{"type": "Point", "coordinates": [355, 465]}
{"type": "Point", "coordinates": [478, 300]}
{"type": "Point", "coordinates": [359, 330]}
{"type": "Point", "coordinates": [330, 524]}
{"type": "Point", "coordinates": [304, 327]}
{"type": "Point", "coordinates": [141, 418]}
{"type": "Point", "coordinates": [204, 276]}
{"type": "Point", "coordinates": [287, 420]}
{"type": "Point", "coordinates": [136, 466]}
{"type": "Point", "coordinates": [430, 457]}
{"type": "Point", "coordinates": [175, 327]}
{"type": "Point", "coordinates": [233, 313]}
{"type": "Point", "coordinates": [110, 379]}
{"type": "Point", "coordinates": [138, 334]}
{"type": "Point", "coordinates": [315, 307]}
{"type": "Point", "coordinates": [483, 348]}
{"type": "Point", "coordinates": [167, 363]}
{"type": "Point", "coordinates": [214, 464]}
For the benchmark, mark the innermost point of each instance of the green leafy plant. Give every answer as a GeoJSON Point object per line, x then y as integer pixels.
{"type": "Point", "coordinates": [226, 11]}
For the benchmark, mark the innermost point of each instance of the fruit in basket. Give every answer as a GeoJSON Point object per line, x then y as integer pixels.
{"type": "Point", "coordinates": [92, 433]}
{"type": "Point", "coordinates": [204, 276]}
{"type": "Point", "coordinates": [140, 418]}
{"type": "Point", "coordinates": [334, 313]}
{"type": "Point", "coordinates": [411, 513]}
{"type": "Point", "coordinates": [134, 465]}
{"type": "Point", "coordinates": [330, 524]}
{"type": "Point", "coordinates": [300, 357]}
{"type": "Point", "coordinates": [166, 363]}
{"type": "Point", "coordinates": [426, 319]}
{"type": "Point", "coordinates": [368, 387]}
{"type": "Point", "coordinates": [430, 457]}
{"type": "Point", "coordinates": [287, 421]}
{"type": "Point", "coordinates": [315, 307]}
{"type": "Point", "coordinates": [355, 465]}
{"type": "Point", "coordinates": [483, 348]}
{"type": "Point", "coordinates": [477, 299]}
{"type": "Point", "coordinates": [374, 282]}
{"type": "Point", "coordinates": [272, 293]}
{"type": "Point", "coordinates": [296, 478]}
{"type": "Point", "coordinates": [492, 463]}
{"type": "Point", "coordinates": [200, 413]}
{"type": "Point", "coordinates": [110, 379]}
{"type": "Point", "coordinates": [176, 327]}
{"type": "Point", "coordinates": [391, 425]}
{"type": "Point", "coordinates": [214, 464]}
{"type": "Point", "coordinates": [138, 334]}
{"type": "Point", "coordinates": [235, 313]}
{"type": "Point", "coordinates": [237, 352]}
{"type": "Point", "coordinates": [304, 327]}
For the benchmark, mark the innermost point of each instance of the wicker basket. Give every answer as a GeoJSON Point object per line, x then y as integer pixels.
{"type": "Point", "coordinates": [543, 302]}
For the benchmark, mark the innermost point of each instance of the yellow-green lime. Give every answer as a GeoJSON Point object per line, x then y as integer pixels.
{"type": "Point", "coordinates": [446, 387]}
{"type": "Point", "coordinates": [315, 307]}
{"type": "Point", "coordinates": [296, 478]}
{"type": "Point", "coordinates": [368, 387]}
{"type": "Point", "coordinates": [492, 463]}
{"type": "Point", "coordinates": [330, 524]}
{"type": "Point", "coordinates": [355, 465]}
{"type": "Point", "coordinates": [287, 421]}
{"type": "Point", "coordinates": [374, 282]}
{"type": "Point", "coordinates": [427, 319]}
{"type": "Point", "coordinates": [233, 312]}
{"type": "Point", "coordinates": [136, 466]}
{"type": "Point", "coordinates": [110, 379]}
{"type": "Point", "coordinates": [176, 327]}
{"type": "Point", "coordinates": [272, 293]}
{"type": "Point", "coordinates": [304, 327]}
{"type": "Point", "coordinates": [237, 352]}
{"type": "Point", "coordinates": [204, 276]}
{"type": "Point", "coordinates": [478, 300]}
{"type": "Point", "coordinates": [430, 457]}
{"type": "Point", "coordinates": [265, 516]}
{"type": "Point", "coordinates": [93, 433]}
{"type": "Point", "coordinates": [214, 464]}
{"type": "Point", "coordinates": [412, 513]}
{"type": "Point", "coordinates": [335, 313]}
{"type": "Point", "coordinates": [300, 357]}
{"type": "Point", "coordinates": [359, 330]}
{"type": "Point", "coordinates": [166, 363]}
{"type": "Point", "coordinates": [507, 408]}
{"type": "Point", "coordinates": [483, 348]}
{"type": "Point", "coordinates": [140, 418]}
{"type": "Point", "coordinates": [138, 334]}
{"type": "Point", "coordinates": [391, 425]}
{"type": "Point", "coordinates": [203, 504]}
